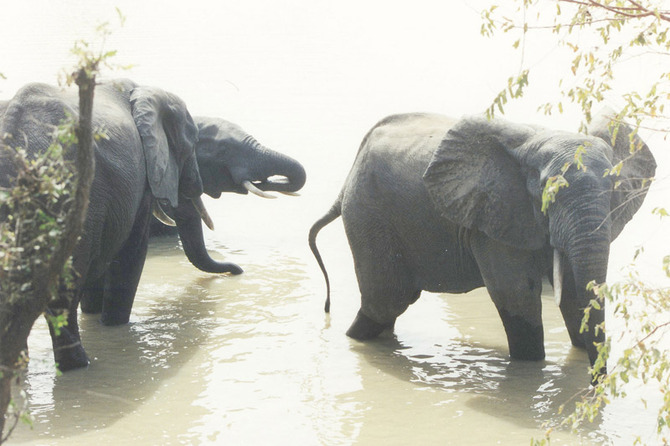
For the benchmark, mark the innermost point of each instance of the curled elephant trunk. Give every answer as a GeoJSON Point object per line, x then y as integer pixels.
{"type": "Point", "coordinates": [188, 218]}
{"type": "Point", "coordinates": [271, 171]}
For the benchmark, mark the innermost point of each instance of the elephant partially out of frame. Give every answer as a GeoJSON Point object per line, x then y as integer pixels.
{"type": "Point", "coordinates": [449, 206]}
{"type": "Point", "coordinates": [147, 161]}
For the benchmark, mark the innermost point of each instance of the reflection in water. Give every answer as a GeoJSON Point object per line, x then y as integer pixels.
{"type": "Point", "coordinates": [252, 359]}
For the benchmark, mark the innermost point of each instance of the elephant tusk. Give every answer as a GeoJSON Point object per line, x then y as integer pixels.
{"type": "Point", "coordinates": [200, 207]}
{"type": "Point", "coordinates": [558, 277]}
{"type": "Point", "coordinates": [160, 214]}
{"type": "Point", "coordinates": [248, 185]}
{"type": "Point", "coordinates": [292, 194]}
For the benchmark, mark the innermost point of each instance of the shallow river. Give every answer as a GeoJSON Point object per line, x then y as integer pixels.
{"type": "Point", "coordinates": [253, 359]}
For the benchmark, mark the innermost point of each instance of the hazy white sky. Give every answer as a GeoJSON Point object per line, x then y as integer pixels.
{"type": "Point", "coordinates": [307, 77]}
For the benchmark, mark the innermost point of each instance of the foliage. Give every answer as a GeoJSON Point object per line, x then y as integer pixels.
{"type": "Point", "coordinates": [36, 211]}
{"type": "Point", "coordinates": [41, 218]}
{"type": "Point", "coordinates": [602, 36]}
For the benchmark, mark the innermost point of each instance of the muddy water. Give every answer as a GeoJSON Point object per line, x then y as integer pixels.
{"type": "Point", "coordinates": [253, 359]}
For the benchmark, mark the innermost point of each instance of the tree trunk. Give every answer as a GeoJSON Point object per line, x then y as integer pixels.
{"type": "Point", "coordinates": [19, 312]}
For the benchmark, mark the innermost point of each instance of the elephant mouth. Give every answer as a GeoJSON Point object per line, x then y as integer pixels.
{"type": "Point", "coordinates": [276, 183]}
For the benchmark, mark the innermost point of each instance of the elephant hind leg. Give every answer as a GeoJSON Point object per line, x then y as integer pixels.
{"type": "Point", "coordinates": [381, 306]}
{"type": "Point", "coordinates": [364, 328]}
{"type": "Point", "coordinates": [386, 281]}
{"type": "Point", "coordinates": [387, 289]}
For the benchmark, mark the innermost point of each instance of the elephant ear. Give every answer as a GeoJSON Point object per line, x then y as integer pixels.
{"type": "Point", "coordinates": [638, 166]}
{"type": "Point", "coordinates": [168, 138]}
{"type": "Point", "coordinates": [476, 181]}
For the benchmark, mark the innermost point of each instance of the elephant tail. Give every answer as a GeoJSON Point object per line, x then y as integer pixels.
{"type": "Point", "coordinates": [334, 212]}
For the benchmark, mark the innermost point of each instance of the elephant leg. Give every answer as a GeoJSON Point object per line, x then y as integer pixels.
{"type": "Point", "coordinates": [386, 285]}
{"type": "Point", "coordinates": [68, 351]}
{"type": "Point", "coordinates": [125, 270]}
{"type": "Point", "coordinates": [92, 296]}
{"type": "Point", "coordinates": [513, 279]}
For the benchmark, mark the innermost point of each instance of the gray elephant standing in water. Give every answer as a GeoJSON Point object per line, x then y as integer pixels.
{"type": "Point", "coordinates": [443, 206]}
{"type": "Point", "coordinates": [147, 161]}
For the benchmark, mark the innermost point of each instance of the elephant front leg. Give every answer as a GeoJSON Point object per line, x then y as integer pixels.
{"type": "Point", "coordinates": [513, 279]}
{"type": "Point", "coordinates": [123, 274]}
{"type": "Point", "coordinates": [525, 337]}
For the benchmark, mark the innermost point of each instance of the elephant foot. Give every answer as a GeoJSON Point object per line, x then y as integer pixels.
{"type": "Point", "coordinates": [577, 341]}
{"type": "Point", "coordinates": [526, 341]}
{"type": "Point", "coordinates": [114, 318]}
{"type": "Point", "coordinates": [364, 328]}
{"type": "Point", "coordinates": [70, 357]}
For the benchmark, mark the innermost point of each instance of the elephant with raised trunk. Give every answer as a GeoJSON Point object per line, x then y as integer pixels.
{"type": "Point", "coordinates": [448, 206]}
{"type": "Point", "coordinates": [146, 161]}
{"type": "Point", "coordinates": [230, 160]}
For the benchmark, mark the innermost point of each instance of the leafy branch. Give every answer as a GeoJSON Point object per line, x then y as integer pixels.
{"type": "Point", "coordinates": [601, 36]}
{"type": "Point", "coordinates": [41, 218]}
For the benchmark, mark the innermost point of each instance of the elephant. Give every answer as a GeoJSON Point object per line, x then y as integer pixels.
{"type": "Point", "coordinates": [146, 161]}
{"type": "Point", "coordinates": [229, 160]}
{"type": "Point", "coordinates": [443, 205]}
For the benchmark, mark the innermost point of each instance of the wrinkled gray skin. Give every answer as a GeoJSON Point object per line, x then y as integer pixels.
{"type": "Point", "coordinates": [149, 154]}
{"type": "Point", "coordinates": [444, 206]}
{"type": "Point", "coordinates": [148, 158]}
{"type": "Point", "coordinates": [227, 156]}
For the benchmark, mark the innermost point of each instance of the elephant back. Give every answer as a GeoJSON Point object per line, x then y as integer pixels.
{"type": "Point", "coordinates": [32, 116]}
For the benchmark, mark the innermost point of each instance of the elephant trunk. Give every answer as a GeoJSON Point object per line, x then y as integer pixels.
{"type": "Point", "coordinates": [189, 225]}
{"type": "Point", "coordinates": [292, 170]}
{"type": "Point", "coordinates": [582, 244]}
{"type": "Point", "coordinates": [585, 269]}
{"type": "Point", "coordinates": [271, 171]}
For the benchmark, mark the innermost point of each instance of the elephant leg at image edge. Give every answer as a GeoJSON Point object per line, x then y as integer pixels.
{"type": "Point", "coordinates": [67, 348]}
{"type": "Point", "coordinates": [513, 279]}
{"type": "Point", "coordinates": [125, 270]}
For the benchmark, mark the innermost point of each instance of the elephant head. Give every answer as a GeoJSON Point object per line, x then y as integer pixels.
{"type": "Point", "coordinates": [497, 172]}
{"type": "Point", "coordinates": [169, 136]}
{"type": "Point", "coordinates": [230, 160]}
